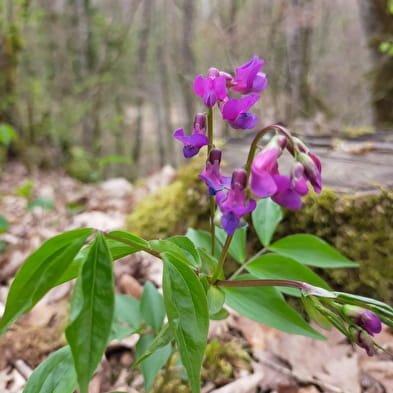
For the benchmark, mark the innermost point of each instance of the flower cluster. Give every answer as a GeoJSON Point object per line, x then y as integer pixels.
{"type": "Point", "coordinates": [231, 193]}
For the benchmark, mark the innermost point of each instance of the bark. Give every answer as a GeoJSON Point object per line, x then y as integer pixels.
{"type": "Point", "coordinates": [299, 33]}
{"type": "Point", "coordinates": [140, 98]}
{"type": "Point", "coordinates": [378, 26]}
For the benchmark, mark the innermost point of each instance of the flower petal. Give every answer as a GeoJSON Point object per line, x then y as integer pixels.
{"type": "Point", "coordinates": [262, 184]}
{"type": "Point", "coordinates": [245, 121]}
{"type": "Point", "coordinates": [230, 222]}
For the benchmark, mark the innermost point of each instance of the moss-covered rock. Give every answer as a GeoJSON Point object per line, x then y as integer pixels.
{"type": "Point", "coordinates": [173, 208]}
{"type": "Point", "coordinates": [359, 226]}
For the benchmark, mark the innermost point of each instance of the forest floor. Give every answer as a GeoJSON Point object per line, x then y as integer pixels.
{"type": "Point", "coordinates": [280, 363]}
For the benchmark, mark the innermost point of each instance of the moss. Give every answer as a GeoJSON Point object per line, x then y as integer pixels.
{"type": "Point", "coordinates": [173, 208]}
{"type": "Point", "coordinates": [353, 132]}
{"type": "Point", "coordinates": [359, 226]}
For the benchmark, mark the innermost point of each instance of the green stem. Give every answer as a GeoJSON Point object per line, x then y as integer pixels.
{"type": "Point", "coordinates": [133, 244]}
{"type": "Point", "coordinates": [245, 264]}
{"type": "Point", "coordinates": [212, 226]}
{"type": "Point", "coordinates": [262, 283]}
{"type": "Point", "coordinates": [223, 256]}
{"type": "Point", "coordinates": [210, 130]}
{"type": "Point", "coordinates": [256, 139]}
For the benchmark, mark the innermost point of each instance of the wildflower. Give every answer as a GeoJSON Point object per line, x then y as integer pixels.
{"type": "Point", "coordinates": [211, 174]}
{"type": "Point", "coordinates": [364, 318]}
{"type": "Point", "coordinates": [235, 112]}
{"type": "Point", "coordinates": [248, 78]}
{"type": "Point", "coordinates": [212, 88]}
{"type": "Point", "coordinates": [265, 167]}
{"type": "Point", "coordinates": [365, 341]}
{"type": "Point", "coordinates": [233, 204]}
{"type": "Point", "coordinates": [194, 142]}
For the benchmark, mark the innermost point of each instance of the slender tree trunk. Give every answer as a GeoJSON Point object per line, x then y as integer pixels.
{"type": "Point", "coordinates": [378, 26]}
{"type": "Point", "coordinates": [299, 32]}
{"type": "Point", "coordinates": [140, 98]}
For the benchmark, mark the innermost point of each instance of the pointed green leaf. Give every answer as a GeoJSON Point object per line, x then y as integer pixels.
{"type": "Point", "coordinates": [215, 300]}
{"type": "Point", "coordinates": [314, 314]}
{"type": "Point", "coordinates": [163, 338]}
{"type": "Point", "coordinates": [127, 318]}
{"type": "Point", "coordinates": [4, 224]}
{"type": "Point", "coordinates": [92, 312]}
{"type": "Point", "coordinates": [55, 375]}
{"type": "Point", "coordinates": [40, 273]}
{"type": "Point", "coordinates": [202, 239]}
{"type": "Point", "coordinates": [186, 306]}
{"type": "Point", "coordinates": [266, 305]}
{"type": "Point", "coordinates": [208, 262]}
{"type": "Point", "coordinates": [152, 306]}
{"type": "Point", "coordinates": [120, 249]}
{"type": "Point", "coordinates": [151, 365]}
{"type": "Point", "coordinates": [237, 248]}
{"type": "Point", "coordinates": [265, 219]}
{"type": "Point", "coordinates": [311, 250]}
{"type": "Point", "coordinates": [274, 266]}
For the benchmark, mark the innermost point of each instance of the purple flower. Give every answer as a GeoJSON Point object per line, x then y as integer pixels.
{"type": "Point", "coordinates": [233, 204]}
{"type": "Point", "coordinates": [212, 88]}
{"type": "Point", "coordinates": [248, 78]}
{"type": "Point", "coordinates": [198, 139]}
{"type": "Point", "coordinates": [235, 112]}
{"type": "Point", "coordinates": [211, 174]}
{"type": "Point", "coordinates": [265, 167]}
{"type": "Point", "coordinates": [364, 318]}
{"type": "Point", "coordinates": [365, 341]}
{"type": "Point", "coordinates": [285, 194]}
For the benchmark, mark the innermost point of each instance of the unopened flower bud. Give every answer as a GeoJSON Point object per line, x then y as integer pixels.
{"type": "Point", "coordinates": [364, 318]}
{"type": "Point", "coordinates": [239, 179]}
{"type": "Point", "coordinates": [215, 155]}
{"type": "Point", "coordinates": [200, 122]}
{"type": "Point", "coordinates": [213, 72]}
{"type": "Point", "coordinates": [364, 341]}
{"type": "Point", "coordinates": [311, 170]}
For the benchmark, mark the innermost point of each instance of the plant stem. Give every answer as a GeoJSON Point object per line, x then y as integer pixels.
{"type": "Point", "coordinates": [210, 130]}
{"type": "Point", "coordinates": [223, 256]}
{"type": "Point", "coordinates": [262, 283]}
{"type": "Point", "coordinates": [212, 198]}
{"type": "Point", "coordinates": [133, 244]}
{"type": "Point", "coordinates": [244, 265]}
{"type": "Point", "coordinates": [256, 139]}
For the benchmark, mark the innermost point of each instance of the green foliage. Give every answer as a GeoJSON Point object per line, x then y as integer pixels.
{"type": "Point", "coordinates": [127, 318]}
{"type": "Point", "coordinates": [55, 375]}
{"type": "Point", "coordinates": [40, 273]}
{"type": "Point", "coordinates": [4, 224]}
{"type": "Point", "coordinates": [358, 226]}
{"type": "Point", "coordinates": [7, 134]}
{"type": "Point", "coordinates": [265, 219]}
{"type": "Point", "coordinates": [43, 203]}
{"type": "Point", "coordinates": [25, 190]}
{"type": "Point", "coordinates": [267, 305]}
{"type": "Point", "coordinates": [310, 250]}
{"type": "Point", "coordinates": [187, 310]}
{"type": "Point", "coordinates": [152, 306]}
{"type": "Point", "coordinates": [237, 248]}
{"type": "Point", "coordinates": [92, 312]}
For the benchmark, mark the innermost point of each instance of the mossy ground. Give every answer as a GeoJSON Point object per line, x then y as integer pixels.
{"type": "Point", "coordinates": [359, 226]}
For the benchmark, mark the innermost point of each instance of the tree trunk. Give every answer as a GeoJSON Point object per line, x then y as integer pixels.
{"type": "Point", "coordinates": [378, 26]}
{"type": "Point", "coordinates": [299, 32]}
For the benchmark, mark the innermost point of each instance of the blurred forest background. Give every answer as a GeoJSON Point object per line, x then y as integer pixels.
{"type": "Point", "coordinates": [99, 86]}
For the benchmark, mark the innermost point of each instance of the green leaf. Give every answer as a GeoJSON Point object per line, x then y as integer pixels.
{"type": "Point", "coordinates": [237, 248]}
{"type": "Point", "coordinates": [222, 314]}
{"type": "Point", "coordinates": [25, 190]}
{"type": "Point", "coordinates": [127, 318]}
{"type": "Point", "coordinates": [44, 203]}
{"type": "Point", "coordinates": [55, 375]}
{"type": "Point", "coordinates": [314, 314]}
{"type": "Point", "coordinates": [266, 305]}
{"type": "Point", "coordinates": [40, 273]}
{"type": "Point", "coordinates": [152, 306]}
{"type": "Point", "coordinates": [4, 224]}
{"type": "Point", "coordinates": [163, 338]}
{"type": "Point", "coordinates": [120, 249]}
{"type": "Point", "coordinates": [92, 312]}
{"type": "Point", "coordinates": [186, 306]}
{"type": "Point", "coordinates": [202, 239]}
{"type": "Point", "coordinates": [152, 364]}
{"type": "Point", "coordinates": [215, 300]}
{"type": "Point", "coordinates": [208, 262]}
{"type": "Point", "coordinates": [274, 266]}
{"type": "Point", "coordinates": [7, 134]}
{"type": "Point", "coordinates": [265, 219]}
{"type": "Point", "coordinates": [179, 246]}
{"type": "Point", "coordinates": [311, 250]}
